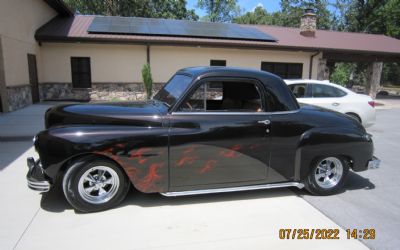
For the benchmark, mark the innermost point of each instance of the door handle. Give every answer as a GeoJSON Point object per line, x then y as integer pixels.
{"type": "Point", "coordinates": [265, 122]}
{"type": "Point", "coordinates": [335, 104]}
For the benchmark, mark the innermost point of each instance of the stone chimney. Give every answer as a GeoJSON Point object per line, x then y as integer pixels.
{"type": "Point", "coordinates": [308, 23]}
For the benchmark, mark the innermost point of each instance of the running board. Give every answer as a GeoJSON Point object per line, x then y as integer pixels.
{"type": "Point", "coordinates": [235, 189]}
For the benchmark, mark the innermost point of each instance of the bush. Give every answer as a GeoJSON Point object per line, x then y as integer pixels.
{"type": "Point", "coordinates": [341, 74]}
{"type": "Point", "coordinates": [147, 80]}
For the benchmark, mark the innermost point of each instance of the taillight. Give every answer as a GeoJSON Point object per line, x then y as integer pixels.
{"type": "Point", "coordinates": [372, 104]}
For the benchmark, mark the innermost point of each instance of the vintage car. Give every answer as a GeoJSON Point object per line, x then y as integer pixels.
{"type": "Point", "coordinates": [208, 130]}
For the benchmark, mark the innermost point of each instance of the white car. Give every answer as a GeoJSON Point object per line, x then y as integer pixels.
{"type": "Point", "coordinates": [335, 97]}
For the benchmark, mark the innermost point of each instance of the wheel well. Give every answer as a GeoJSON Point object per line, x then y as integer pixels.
{"type": "Point", "coordinates": [75, 158]}
{"type": "Point", "coordinates": [347, 159]}
{"type": "Point", "coordinates": [354, 115]}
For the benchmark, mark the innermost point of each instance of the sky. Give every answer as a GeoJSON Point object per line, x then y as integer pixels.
{"type": "Point", "coordinates": [247, 5]}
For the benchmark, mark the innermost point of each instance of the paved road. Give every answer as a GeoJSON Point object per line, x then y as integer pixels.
{"type": "Point", "coordinates": [371, 199]}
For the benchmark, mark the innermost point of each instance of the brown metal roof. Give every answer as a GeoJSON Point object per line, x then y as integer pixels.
{"type": "Point", "coordinates": [62, 29]}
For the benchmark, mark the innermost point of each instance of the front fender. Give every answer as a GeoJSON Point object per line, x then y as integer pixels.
{"type": "Point", "coordinates": [350, 143]}
{"type": "Point", "coordinates": [142, 152]}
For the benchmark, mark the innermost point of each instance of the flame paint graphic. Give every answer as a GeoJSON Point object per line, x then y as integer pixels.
{"type": "Point", "coordinates": [147, 183]}
{"type": "Point", "coordinates": [139, 155]}
{"type": "Point", "coordinates": [210, 164]}
{"type": "Point", "coordinates": [231, 153]}
{"type": "Point", "coordinates": [186, 159]}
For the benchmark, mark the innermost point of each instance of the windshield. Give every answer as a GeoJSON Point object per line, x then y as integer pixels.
{"type": "Point", "coordinates": [173, 90]}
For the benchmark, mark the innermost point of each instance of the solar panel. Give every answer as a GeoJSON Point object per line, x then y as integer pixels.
{"type": "Point", "coordinates": [169, 27]}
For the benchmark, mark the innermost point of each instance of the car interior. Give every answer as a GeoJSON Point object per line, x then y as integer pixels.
{"type": "Point", "coordinates": [224, 96]}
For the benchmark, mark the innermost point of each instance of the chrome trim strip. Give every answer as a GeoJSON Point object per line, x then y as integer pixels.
{"type": "Point", "coordinates": [236, 113]}
{"type": "Point", "coordinates": [234, 189]}
{"type": "Point", "coordinates": [41, 186]}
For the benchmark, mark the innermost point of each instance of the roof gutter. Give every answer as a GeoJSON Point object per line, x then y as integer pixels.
{"type": "Point", "coordinates": [311, 63]}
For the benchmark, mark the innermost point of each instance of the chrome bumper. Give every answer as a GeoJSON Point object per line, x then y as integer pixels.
{"type": "Point", "coordinates": [35, 177]}
{"type": "Point", "coordinates": [374, 163]}
{"type": "Point", "coordinates": [41, 186]}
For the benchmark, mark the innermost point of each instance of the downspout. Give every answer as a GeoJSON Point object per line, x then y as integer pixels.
{"type": "Point", "coordinates": [148, 54]}
{"type": "Point", "coordinates": [311, 64]}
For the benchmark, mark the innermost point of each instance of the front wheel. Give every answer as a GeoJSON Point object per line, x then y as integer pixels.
{"type": "Point", "coordinates": [327, 176]}
{"type": "Point", "coordinates": [92, 184]}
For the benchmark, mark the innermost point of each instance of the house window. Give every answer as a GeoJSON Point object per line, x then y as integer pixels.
{"type": "Point", "coordinates": [217, 62]}
{"type": "Point", "coordinates": [81, 74]}
{"type": "Point", "coordinates": [284, 70]}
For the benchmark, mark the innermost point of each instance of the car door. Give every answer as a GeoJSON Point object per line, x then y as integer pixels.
{"type": "Point", "coordinates": [218, 136]}
{"type": "Point", "coordinates": [327, 97]}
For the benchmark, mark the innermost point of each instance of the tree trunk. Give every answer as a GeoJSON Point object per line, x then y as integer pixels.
{"type": "Point", "coordinates": [374, 73]}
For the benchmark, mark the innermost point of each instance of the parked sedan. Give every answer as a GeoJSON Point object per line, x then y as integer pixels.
{"type": "Point", "coordinates": [208, 130]}
{"type": "Point", "coordinates": [335, 97]}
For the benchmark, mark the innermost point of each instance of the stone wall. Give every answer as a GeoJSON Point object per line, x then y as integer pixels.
{"type": "Point", "coordinates": [19, 97]}
{"type": "Point", "coordinates": [98, 92]}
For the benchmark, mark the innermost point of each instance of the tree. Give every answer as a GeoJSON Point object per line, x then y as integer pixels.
{"type": "Point", "coordinates": [258, 16]}
{"type": "Point", "coordinates": [371, 16]}
{"type": "Point", "coordinates": [290, 14]}
{"type": "Point", "coordinates": [219, 10]}
{"type": "Point", "coordinates": [174, 9]}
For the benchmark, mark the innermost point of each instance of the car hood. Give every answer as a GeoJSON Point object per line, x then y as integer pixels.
{"type": "Point", "coordinates": [116, 113]}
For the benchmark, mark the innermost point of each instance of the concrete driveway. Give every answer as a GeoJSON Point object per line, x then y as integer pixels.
{"type": "Point", "coordinates": [248, 220]}
{"type": "Point", "coordinates": [371, 199]}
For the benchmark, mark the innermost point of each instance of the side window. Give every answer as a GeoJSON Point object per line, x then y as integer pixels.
{"type": "Point", "coordinates": [224, 96]}
{"type": "Point", "coordinates": [299, 90]}
{"type": "Point", "coordinates": [319, 90]}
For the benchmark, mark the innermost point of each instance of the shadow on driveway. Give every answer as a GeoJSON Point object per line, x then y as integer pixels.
{"type": "Point", "coordinates": [10, 151]}
{"type": "Point", "coordinates": [353, 182]}
{"type": "Point", "coordinates": [54, 200]}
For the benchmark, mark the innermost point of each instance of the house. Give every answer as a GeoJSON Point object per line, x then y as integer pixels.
{"type": "Point", "coordinates": [49, 53]}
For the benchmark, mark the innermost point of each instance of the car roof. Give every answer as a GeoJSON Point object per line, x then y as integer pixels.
{"type": "Point", "coordinates": [323, 82]}
{"type": "Point", "coordinates": [269, 80]}
{"type": "Point", "coordinates": [226, 71]}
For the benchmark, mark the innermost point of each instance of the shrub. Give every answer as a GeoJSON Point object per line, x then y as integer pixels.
{"type": "Point", "coordinates": [147, 80]}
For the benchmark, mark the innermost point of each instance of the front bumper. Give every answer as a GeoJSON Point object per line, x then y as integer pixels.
{"type": "Point", "coordinates": [36, 178]}
{"type": "Point", "coordinates": [374, 163]}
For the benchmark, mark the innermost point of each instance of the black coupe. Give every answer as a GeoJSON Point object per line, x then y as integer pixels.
{"type": "Point", "coordinates": [208, 130]}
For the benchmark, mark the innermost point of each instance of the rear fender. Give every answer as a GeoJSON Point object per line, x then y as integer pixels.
{"type": "Point", "coordinates": [316, 143]}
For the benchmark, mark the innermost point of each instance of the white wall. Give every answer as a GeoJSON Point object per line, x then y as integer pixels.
{"type": "Point", "coordinates": [19, 19]}
{"type": "Point", "coordinates": [109, 63]}
{"type": "Point", "coordinates": [166, 60]}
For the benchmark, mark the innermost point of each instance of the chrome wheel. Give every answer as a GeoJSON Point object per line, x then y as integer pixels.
{"type": "Point", "coordinates": [329, 172]}
{"type": "Point", "coordinates": [98, 184]}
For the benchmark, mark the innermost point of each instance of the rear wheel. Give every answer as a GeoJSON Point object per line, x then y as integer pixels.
{"type": "Point", "coordinates": [327, 176]}
{"type": "Point", "coordinates": [92, 184]}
